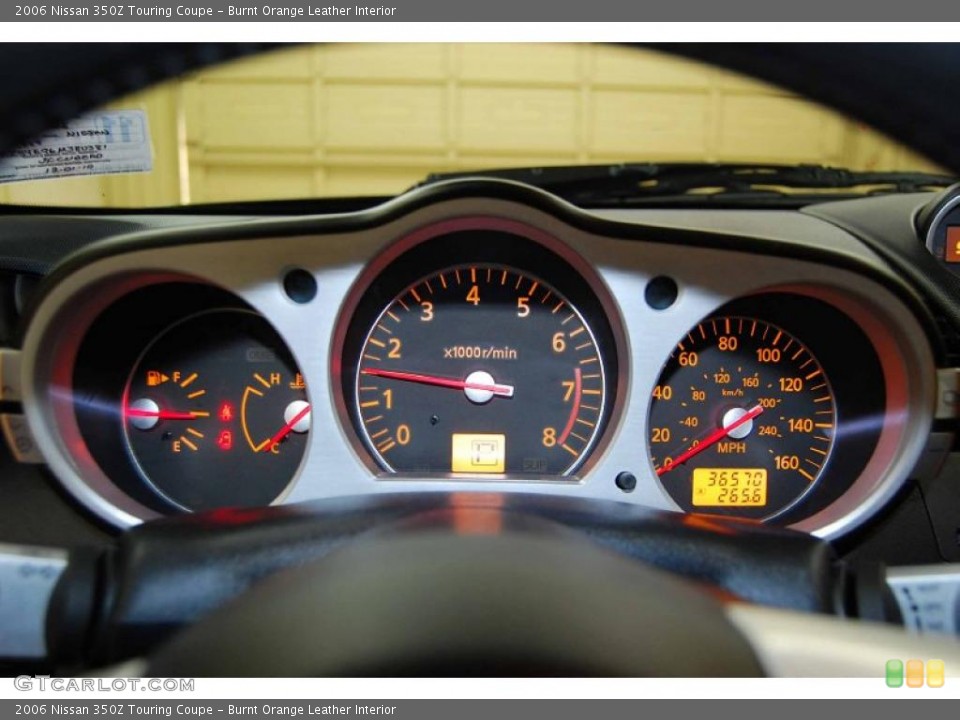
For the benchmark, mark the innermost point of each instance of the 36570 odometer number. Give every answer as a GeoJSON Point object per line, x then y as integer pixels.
{"type": "Point", "coordinates": [744, 403]}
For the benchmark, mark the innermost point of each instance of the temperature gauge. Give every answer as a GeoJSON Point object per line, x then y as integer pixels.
{"type": "Point", "coordinates": [275, 417]}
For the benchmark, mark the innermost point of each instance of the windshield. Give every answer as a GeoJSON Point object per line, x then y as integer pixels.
{"type": "Point", "coordinates": [375, 119]}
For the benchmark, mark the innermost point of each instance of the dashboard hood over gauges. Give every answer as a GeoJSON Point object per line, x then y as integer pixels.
{"type": "Point", "coordinates": [482, 336]}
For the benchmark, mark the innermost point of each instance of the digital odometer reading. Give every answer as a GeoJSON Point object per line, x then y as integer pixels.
{"type": "Point", "coordinates": [729, 487]}
{"type": "Point", "coordinates": [480, 369]}
{"type": "Point", "coordinates": [740, 397]}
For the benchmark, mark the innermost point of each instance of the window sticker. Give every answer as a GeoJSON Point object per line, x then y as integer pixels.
{"type": "Point", "coordinates": [100, 143]}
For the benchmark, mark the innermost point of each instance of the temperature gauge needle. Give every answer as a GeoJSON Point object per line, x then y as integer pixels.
{"type": "Point", "coordinates": [496, 389]}
{"type": "Point", "coordinates": [286, 429]}
{"type": "Point", "coordinates": [711, 439]}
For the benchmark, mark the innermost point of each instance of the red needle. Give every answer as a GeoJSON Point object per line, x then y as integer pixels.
{"type": "Point", "coordinates": [285, 430]}
{"type": "Point", "coordinates": [161, 414]}
{"type": "Point", "coordinates": [502, 390]}
{"type": "Point", "coordinates": [715, 436]}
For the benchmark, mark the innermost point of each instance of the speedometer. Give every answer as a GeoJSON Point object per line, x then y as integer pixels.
{"type": "Point", "coordinates": [742, 420]}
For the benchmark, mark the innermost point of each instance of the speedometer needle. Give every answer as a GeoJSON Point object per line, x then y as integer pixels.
{"type": "Point", "coordinates": [496, 389]}
{"type": "Point", "coordinates": [714, 437]}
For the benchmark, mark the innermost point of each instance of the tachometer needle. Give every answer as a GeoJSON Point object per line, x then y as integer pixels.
{"type": "Point", "coordinates": [286, 429]}
{"type": "Point", "coordinates": [496, 389]}
{"type": "Point", "coordinates": [714, 437]}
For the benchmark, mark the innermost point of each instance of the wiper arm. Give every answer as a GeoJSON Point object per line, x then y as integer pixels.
{"type": "Point", "coordinates": [629, 181]}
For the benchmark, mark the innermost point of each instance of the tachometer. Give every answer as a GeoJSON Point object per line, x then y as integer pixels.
{"type": "Point", "coordinates": [480, 368]}
{"type": "Point", "coordinates": [743, 419]}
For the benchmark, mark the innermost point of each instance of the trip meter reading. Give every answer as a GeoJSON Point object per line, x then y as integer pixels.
{"type": "Point", "coordinates": [742, 420]}
{"type": "Point", "coordinates": [480, 369]}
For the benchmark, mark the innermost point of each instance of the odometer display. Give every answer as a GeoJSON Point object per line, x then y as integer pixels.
{"type": "Point", "coordinates": [480, 369]}
{"type": "Point", "coordinates": [742, 420]}
{"type": "Point", "coordinates": [729, 487]}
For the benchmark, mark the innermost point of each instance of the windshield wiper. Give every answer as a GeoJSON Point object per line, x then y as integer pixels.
{"type": "Point", "coordinates": [640, 183]}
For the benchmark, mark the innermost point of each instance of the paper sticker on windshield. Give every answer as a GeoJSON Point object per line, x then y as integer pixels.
{"type": "Point", "coordinates": [100, 143]}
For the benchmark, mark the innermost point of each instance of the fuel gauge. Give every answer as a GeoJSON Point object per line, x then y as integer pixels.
{"type": "Point", "coordinates": [171, 398]}
{"type": "Point", "coordinates": [215, 412]}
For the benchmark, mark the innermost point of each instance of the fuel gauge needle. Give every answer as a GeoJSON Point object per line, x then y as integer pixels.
{"type": "Point", "coordinates": [145, 414]}
{"type": "Point", "coordinates": [161, 414]}
{"type": "Point", "coordinates": [711, 439]}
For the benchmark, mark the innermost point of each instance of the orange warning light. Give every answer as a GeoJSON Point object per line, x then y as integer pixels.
{"type": "Point", "coordinates": [155, 377]}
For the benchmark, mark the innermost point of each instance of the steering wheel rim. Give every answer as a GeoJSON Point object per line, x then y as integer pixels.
{"type": "Point", "coordinates": [477, 592]}
{"type": "Point", "coordinates": [466, 592]}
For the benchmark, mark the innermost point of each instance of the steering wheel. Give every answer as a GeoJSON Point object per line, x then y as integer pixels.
{"type": "Point", "coordinates": [471, 584]}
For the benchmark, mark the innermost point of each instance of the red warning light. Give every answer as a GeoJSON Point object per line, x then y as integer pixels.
{"type": "Point", "coordinates": [226, 412]}
{"type": "Point", "coordinates": [225, 440]}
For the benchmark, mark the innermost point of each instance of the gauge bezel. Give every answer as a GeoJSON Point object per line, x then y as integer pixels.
{"type": "Point", "coordinates": [907, 395]}
{"type": "Point", "coordinates": [547, 259]}
{"type": "Point", "coordinates": [933, 225]}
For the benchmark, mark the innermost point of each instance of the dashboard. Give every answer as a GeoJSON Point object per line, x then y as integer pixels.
{"type": "Point", "coordinates": [439, 417]}
{"type": "Point", "coordinates": [482, 336]}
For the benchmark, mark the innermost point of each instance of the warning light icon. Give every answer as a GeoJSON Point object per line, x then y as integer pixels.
{"type": "Point", "coordinates": [226, 412]}
{"type": "Point", "coordinates": [225, 440]}
{"type": "Point", "coordinates": [297, 383]}
{"type": "Point", "coordinates": [155, 377]}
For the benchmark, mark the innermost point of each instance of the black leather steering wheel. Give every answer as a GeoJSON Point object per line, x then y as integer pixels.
{"type": "Point", "coordinates": [452, 584]}
{"type": "Point", "coordinates": [468, 584]}
{"type": "Point", "coordinates": [467, 592]}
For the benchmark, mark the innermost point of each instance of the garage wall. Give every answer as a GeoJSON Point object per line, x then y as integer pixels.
{"type": "Point", "coordinates": [372, 119]}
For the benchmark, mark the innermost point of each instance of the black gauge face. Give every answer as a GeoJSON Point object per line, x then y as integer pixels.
{"type": "Point", "coordinates": [480, 369]}
{"type": "Point", "coordinates": [215, 412]}
{"type": "Point", "coordinates": [742, 420]}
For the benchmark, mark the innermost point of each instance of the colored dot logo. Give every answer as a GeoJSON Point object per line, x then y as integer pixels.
{"type": "Point", "coordinates": [913, 673]}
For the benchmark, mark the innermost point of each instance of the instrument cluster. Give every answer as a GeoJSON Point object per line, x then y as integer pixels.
{"type": "Point", "coordinates": [492, 341]}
